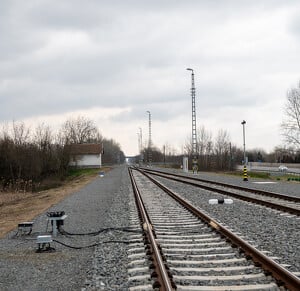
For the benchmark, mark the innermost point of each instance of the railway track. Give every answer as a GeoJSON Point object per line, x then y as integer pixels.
{"type": "Point", "coordinates": [284, 203]}
{"type": "Point", "coordinates": [191, 251]}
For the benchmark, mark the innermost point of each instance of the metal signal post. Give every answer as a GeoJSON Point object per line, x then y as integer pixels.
{"type": "Point", "coordinates": [194, 132]}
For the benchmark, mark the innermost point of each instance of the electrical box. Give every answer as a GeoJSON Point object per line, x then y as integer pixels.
{"type": "Point", "coordinates": [57, 219]}
{"type": "Point", "coordinates": [25, 228]}
{"type": "Point", "coordinates": [44, 239]}
{"type": "Point", "coordinates": [43, 242]}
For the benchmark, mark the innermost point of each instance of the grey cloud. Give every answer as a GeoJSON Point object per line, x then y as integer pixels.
{"type": "Point", "coordinates": [294, 24]}
{"type": "Point", "coordinates": [160, 112]}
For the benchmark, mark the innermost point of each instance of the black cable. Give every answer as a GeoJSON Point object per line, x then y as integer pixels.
{"type": "Point", "coordinates": [94, 233]}
{"type": "Point", "coordinates": [90, 246]}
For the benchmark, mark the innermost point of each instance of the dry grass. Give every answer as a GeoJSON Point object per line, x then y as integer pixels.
{"type": "Point", "coordinates": [20, 207]}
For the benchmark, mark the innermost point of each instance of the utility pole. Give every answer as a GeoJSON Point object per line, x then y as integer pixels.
{"type": "Point", "coordinates": [149, 141]}
{"type": "Point", "coordinates": [194, 131]}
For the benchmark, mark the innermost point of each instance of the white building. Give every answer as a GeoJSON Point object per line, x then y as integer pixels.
{"type": "Point", "coordinates": [86, 155]}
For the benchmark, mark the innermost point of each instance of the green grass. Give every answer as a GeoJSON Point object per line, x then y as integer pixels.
{"type": "Point", "coordinates": [74, 173]}
{"type": "Point", "coordinates": [267, 176]}
{"type": "Point", "coordinates": [260, 175]}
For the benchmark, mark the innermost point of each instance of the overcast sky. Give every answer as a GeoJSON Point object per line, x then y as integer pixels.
{"type": "Point", "coordinates": [111, 61]}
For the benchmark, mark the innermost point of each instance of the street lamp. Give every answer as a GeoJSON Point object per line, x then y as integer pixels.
{"type": "Point", "coordinates": [149, 141]}
{"type": "Point", "coordinates": [244, 143]}
{"type": "Point", "coordinates": [194, 132]}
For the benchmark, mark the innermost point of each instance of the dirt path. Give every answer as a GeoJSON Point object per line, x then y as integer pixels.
{"type": "Point", "coordinates": [20, 207]}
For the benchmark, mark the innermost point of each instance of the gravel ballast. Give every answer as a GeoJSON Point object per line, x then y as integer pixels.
{"type": "Point", "coordinates": [101, 204]}
{"type": "Point", "coordinates": [269, 230]}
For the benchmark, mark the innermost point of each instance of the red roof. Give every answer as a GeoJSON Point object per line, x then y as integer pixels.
{"type": "Point", "coordinates": [85, 149]}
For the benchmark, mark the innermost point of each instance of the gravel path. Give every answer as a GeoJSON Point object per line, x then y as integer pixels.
{"type": "Point", "coordinates": [101, 204]}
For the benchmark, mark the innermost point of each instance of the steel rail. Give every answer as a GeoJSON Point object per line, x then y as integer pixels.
{"type": "Point", "coordinates": [252, 190]}
{"type": "Point", "coordinates": [163, 279]}
{"type": "Point", "coordinates": [282, 275]}
{"type": "Point", "coordinates": [269, 204]}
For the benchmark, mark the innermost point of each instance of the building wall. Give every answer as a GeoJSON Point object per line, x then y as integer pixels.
{"type": "Point", "coordinates": [87, 161]}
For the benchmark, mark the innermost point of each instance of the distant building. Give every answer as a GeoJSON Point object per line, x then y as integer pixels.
{"type": "Point", "coordinates": [86, 155]}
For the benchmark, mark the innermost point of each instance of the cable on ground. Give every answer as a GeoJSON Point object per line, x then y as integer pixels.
{"type": "Point", "coordinates": [94, 233]}
{"type": "Point", "coordinates": [92, 245]}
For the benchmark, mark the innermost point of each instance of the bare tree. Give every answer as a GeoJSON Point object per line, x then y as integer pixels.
{"type": "Point", "coordinates": [204, 147]}
{"type": "Point", "coordinates": [20, 150]}
{"type": "Point", "coordinates": [43, 136]}
{"type": "Point", "coordinates": [290, 127]}
{"type": "Point", "coordinates": [20, 133]}
{"type": "Point", "coordinates": [80, 130]}
{"type": "Point", "coordinates": [222, 149]}
{"type": "Point", "coordinates": [43, 139]}
{"type": "Point", "coordinates": [112, 153]}
{"type": "Point", "coordinates": [188, 145]}
{"type": "Point", "coordinates": [203, 138]}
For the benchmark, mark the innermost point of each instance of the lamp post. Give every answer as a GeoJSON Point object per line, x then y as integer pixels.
{"type": "Point", "coordinates": [149, 140]}
{"type": "Point", "coordinates": [245, 163]}
{"type": "Point", "coordinates": [194, 132]}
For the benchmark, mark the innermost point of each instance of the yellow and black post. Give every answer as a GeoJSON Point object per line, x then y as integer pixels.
{"type": "Point", "coordinates": [245, 162]}
{"type": "Point", "coordinates": [245, 174]}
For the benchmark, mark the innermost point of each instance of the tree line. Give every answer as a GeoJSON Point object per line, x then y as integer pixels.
{"type": "Point", "coordinates": [217, 153]}
{"type": "Point", "coordinates": [212, 154]}
{"type": "Point", "coordinates": [28, 156]}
